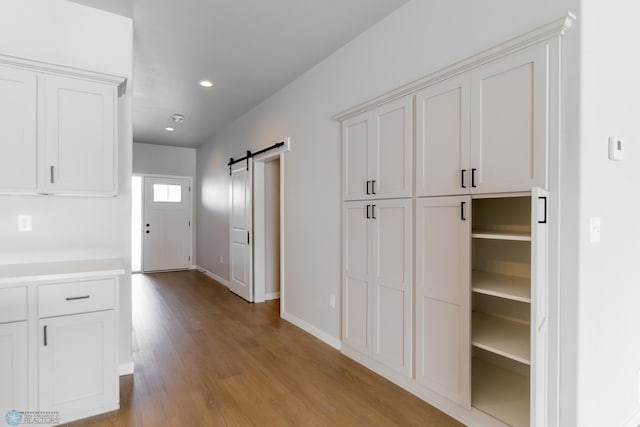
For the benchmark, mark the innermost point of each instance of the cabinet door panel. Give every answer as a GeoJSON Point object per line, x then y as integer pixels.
{"type": "Point", "coordinates": [13, 367]}
{"type": "Point", "coordinates": [391, 162]}
{"type": "Point", "coordinates": [77, 365]}
{"type": "Point", "coordinates": [18, 129]}
{"type": "Point", "coordinates": [79, 137]}
{"type": "Point", "coordinates": [442, 139]}
{"type": "Point", "coordinates": [355, 137]}
{"type": "Point", "coordinates": [392, 280]}
{"type": "Point", "coordinates": [357, 276]}
{"type": "Point", "coordinates": [443, 266]}
{"type": "Point", "coordinates": [509, 122]}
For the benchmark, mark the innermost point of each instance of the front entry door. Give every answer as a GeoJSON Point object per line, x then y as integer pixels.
{"type": "Point", "coordinates": [166, 229]}
{"type": "Point", "coordinates": [241, 231]}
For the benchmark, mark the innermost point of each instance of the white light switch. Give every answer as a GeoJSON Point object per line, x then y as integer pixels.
{"type": "Point", "coordinates": [616, 147]}
{"type": "Point", "coordinates": [332, 300]}
{"type": "Point", "coordinates": [594, 229]}
{"type": "Point", "coordinates": [24, 223]}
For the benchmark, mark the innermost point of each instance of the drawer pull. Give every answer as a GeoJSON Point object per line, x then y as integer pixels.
{"type": "Point", "coordinates": [77, 298]}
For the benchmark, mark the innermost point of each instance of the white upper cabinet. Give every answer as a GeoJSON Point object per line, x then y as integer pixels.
{"type": "Point", "coordinates": [509, 122]}
{"type": "Point", "coordinates": [58, 130]}
{"type": "Point", "coordinates": [486, 131]}
{"type": "Point", "coordinates": [78, 140]}
{"type": "Point", "coordinates": [442, 139]}
{"type": "Point", "coordinates": [377, 152]}
{"type": "Point", "coordinates": [17, 129]}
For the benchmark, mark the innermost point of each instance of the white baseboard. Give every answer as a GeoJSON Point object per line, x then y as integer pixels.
{"type": "Point", "coordinates": [272, 295]}
{"type": "Point", "coordinates": [307, 327]}
{"type": "Point", "coordinates": [214, 276]}
{"type": "Point", "coordinates": [125, 368]}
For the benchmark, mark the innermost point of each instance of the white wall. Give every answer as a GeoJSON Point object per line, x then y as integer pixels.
{"type": "Point", "coordinates": [609, 285]}
{"type": "Point", "coordinates": [67, 228]}
{"type": "Point", "coordinates": [163, 160]}
{"type": "Point", "coordinates": [415, 40]}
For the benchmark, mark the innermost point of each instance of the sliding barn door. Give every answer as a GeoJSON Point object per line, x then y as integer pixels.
{"type": "Point", "coordinates": [241, 231]}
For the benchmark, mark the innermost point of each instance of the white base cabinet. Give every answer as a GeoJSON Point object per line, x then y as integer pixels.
{"type": "Point", "coordinates": [59, 339]}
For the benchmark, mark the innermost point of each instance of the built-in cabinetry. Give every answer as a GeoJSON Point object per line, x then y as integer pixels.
{"type": "Point", "coordinates": [485, 130]}
{"type": "Point", "coordinates": [59, 130]}
{"type": "Point", "coordinates": [377, 152]}
{"type": "Point", "coordinates": [58, 337]}
{"type": "Point", "coordinates": [377, 295]}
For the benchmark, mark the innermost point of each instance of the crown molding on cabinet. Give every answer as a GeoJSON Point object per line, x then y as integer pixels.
{"type": "Point", "coordinates": [45, 67]}
{"type": "Point", "coordinates": [554, 29]}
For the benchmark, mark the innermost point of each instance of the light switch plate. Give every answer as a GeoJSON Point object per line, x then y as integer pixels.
{"type": "Point", "coordinates": [616, 149]}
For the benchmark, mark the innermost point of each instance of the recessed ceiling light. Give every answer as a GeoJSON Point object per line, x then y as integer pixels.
{"type": "Point", "coordinates": [169, 129]}
{"type": "Point", "coordinates": [206, 83]}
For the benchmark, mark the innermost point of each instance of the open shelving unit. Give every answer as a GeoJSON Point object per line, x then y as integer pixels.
{"type": "Point", "coordinates": [501, 292]}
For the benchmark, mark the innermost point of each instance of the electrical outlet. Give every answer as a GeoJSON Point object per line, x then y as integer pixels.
{"type": "Point", "coordinates": [332, 300]}
{"type": "Point", "coordinates": [24, 223]}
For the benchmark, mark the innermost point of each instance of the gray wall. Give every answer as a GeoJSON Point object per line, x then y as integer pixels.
{"type": "Point", "coordinates": [163, 160]}
{"type": "Point", "coordinates": [73, 228]}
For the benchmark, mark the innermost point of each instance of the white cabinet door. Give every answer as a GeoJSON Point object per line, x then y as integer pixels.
{"type": "Point", "coordinates": [509, 122]}
{"type": "Point", "coordinates": [77, 364]}
{"type": "Point", "coordinates": [17, 129]}
{"type": "Point", "coordinates": [357, 289]}
{"type": "Point", "coordinates": [539, 307]}
{"type": "Point", "coordinates": [392, 244]}
{"type": "Point", "coordinates": [391, 149]}
{"type": "Point", "coordinates": [377, 152]}
{"type": "Point", "coordinates": [79, 137]}
{"type": "Point", "coordinates": [355, 155]}
{"type": "Point", "coordinates": [443, 267]}
{"type": "Point", "coordinates": [13, 367]}
{"type": "Point", "coordinates": [442, 139]}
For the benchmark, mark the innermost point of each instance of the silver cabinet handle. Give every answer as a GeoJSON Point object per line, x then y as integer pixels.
{"type": "Point", "coordinates": [77, 298]}
{"type": "Point", "coordinates": [51, 169]}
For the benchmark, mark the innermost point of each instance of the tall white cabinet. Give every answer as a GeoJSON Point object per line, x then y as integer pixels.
{"type": "Point", "coordinates": [446, 279]}
{"type": "Point", "coordinates": [59, 129]}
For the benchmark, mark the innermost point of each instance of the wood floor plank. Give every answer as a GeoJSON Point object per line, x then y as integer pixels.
{"type": "Point", "coordinates": [204, 357]}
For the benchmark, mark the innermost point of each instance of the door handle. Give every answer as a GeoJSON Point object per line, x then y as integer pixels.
{"type": "Point", "coordinates": [45, 335]}
{"type": "Point", "coordinates": [373, 187]}
{"type": "Point", "coordinates": [373, 211]}
{"type": "Point", "coordinates": [462, 211]}
{"type": "Point", "coordinates": [368, 187]}
{"type": "Point", "coordinates": [248, 240]}
{"type": "Point", "coordinates": [51, 173]}
{"type": "Point", "coordinates": [473, 177]}
{"type": "Point", "coordinates": [462, 172]}
{"type": "Point", "coordinates": [368, 215]}
{"type": "Point", "coordinates": [77, 298]}
{"type": "Point", "coordinates": [543, 198]}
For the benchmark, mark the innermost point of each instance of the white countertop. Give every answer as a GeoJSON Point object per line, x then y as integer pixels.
{"type": "Point", "coordinates": [39, 272]}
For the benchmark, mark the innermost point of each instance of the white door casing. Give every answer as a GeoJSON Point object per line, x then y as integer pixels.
{"type": "Point", "coordinates": [443, 276]}
{"type": "Point", "coordinates": [166, 227]}
{"type": "Point", "coordinates": [241, 230]}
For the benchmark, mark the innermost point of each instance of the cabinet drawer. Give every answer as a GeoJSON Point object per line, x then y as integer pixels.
{"type": "Point", "coordinates": [77, 297]}
{"type": "Point", "coordinates": [13, 304]}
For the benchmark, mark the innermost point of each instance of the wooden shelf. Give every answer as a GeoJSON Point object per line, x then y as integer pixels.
{"type": "Point", "coordinates": [501, 285]}
{"type": "Point", "coordinates": [500, 393]}
{"type": "Point", "coordinates": [501, 336]}
{"type": "Point", "coordinates": [501, 235]}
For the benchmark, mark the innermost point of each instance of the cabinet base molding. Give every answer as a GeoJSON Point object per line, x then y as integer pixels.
{"type": "Point", "coordinates": [307, 327]}
{"type": "Point", "coordinates": [471, 417]}
{"type": "Point", "coordinates": [66, 417]}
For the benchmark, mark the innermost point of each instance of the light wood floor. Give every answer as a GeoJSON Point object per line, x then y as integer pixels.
{"type": "Point", "coordinates": [204, 357]}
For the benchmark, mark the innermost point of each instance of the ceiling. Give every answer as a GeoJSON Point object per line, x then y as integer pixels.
{"type": "Point", "coordinates": [248, 48]}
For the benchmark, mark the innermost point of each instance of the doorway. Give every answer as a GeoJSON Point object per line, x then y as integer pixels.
{"type": "Point", "coordinates": [166, 223]}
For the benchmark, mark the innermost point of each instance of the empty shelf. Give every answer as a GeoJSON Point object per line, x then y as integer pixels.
{"type": "Point", "coordinates": [505, 337]}
{"type": "Point", "coordinates": [501, 235]}
{"type": "Point", "coordinates": [500, 393]}
{"type": "Point", "coordinates": [501, 285]}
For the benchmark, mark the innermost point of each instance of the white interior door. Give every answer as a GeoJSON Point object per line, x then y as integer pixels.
{"type": "Point", "coordinates": [166, 229]}
{"type": "Point", "coordinates": [241, 231]}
